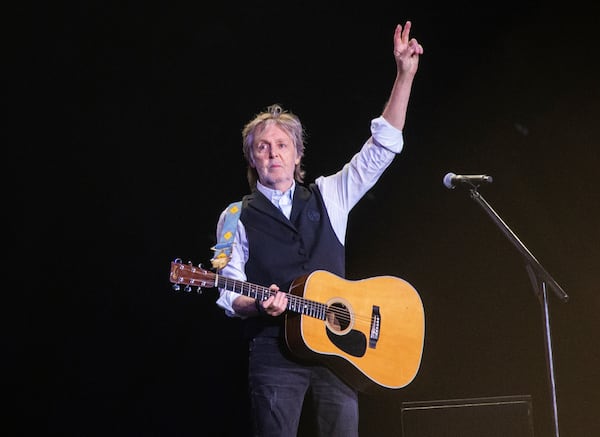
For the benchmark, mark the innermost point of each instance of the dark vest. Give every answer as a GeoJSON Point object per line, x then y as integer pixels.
{"type": "Point", "coordinates": [281, 250]}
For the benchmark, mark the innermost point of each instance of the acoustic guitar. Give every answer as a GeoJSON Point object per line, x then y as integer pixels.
{"type": "Point", "coordinates": [369, 332]}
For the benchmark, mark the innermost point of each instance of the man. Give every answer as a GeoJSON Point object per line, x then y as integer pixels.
{"type": "Point", "coordinates": [287, 229]}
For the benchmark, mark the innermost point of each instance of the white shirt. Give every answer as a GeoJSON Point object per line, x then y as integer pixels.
{"type": "Point", "coordinates": [281, 200]}
{"type": "Point", "coordinates": [340, 191]}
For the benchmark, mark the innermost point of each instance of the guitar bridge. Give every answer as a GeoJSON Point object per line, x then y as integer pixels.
{"type": "Point", "coordinates": [375, 327]}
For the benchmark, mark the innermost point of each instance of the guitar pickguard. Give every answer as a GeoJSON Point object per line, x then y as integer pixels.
{"type": "Point", "coordinates": [353, 342]}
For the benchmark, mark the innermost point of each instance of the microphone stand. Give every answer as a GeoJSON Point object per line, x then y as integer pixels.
{"type": "Point", "coordinates": [540, 280]}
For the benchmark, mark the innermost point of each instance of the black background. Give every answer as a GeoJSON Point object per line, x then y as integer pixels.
{"type": "Point", "coordinates": [127, 121]}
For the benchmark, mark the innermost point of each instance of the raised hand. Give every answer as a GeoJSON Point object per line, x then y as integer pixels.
{"type": "Point", "coordinates": [406, 50]}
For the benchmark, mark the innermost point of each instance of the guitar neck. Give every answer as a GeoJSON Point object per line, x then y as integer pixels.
{"type": "Point", "coordinates": [197, 276]}
{"type": "Point", "coordinates": [296, 304]}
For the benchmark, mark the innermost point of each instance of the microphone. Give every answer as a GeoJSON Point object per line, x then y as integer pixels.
{"type": "Point", "coordinates": [451, 180]}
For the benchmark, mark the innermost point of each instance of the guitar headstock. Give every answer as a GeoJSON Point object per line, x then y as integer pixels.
{"type": "Point", "coordinates": [190, 276]}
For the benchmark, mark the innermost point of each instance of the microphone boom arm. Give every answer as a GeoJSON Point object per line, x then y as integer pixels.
{"type": "Point", "coordinates": [532, 261]}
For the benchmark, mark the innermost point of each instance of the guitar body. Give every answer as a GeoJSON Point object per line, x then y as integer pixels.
{"type": "Point", "coordinates": [373, 334]}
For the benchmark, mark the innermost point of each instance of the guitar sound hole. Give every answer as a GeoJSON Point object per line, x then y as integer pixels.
{"type": "Point", "coordinates": [338, 318]}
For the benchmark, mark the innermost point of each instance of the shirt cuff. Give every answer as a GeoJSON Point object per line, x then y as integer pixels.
{"type": "Point", "coordinates": [386, 135]}
{"type": "Point", "coordinates": [225, 301]}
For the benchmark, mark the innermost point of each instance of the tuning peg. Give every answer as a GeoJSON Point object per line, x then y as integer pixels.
{"type": "Point", "coordinates": [199, 290]}
{"type": "Point", "coordinates": [176, 287]}
{"type": "Point", "coordinates": [187, 288]}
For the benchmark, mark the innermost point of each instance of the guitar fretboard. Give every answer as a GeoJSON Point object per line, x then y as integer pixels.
{"type": "Point", "coordinates": [296, 304]}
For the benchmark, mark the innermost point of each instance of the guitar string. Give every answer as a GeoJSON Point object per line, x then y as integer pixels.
{"type": "Point", "coordinates": [257, 291]}
{"type": "Point", "coordinates": [342, 314]}
{"type": "Point", "coordinates": [308, 305]}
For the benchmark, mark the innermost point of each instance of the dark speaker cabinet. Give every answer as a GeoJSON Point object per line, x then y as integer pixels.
{"type": "Point", "coordinates": [504, 416]}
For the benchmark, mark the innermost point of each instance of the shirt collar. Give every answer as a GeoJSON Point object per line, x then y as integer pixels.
{"type": "Point", "coordinates": [275, 195]}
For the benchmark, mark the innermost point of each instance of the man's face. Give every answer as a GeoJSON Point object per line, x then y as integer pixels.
{"type": "Point", "coordinates": [275, 158]}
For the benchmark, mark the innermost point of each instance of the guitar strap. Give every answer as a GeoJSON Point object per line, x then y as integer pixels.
{"type": "Point", "coordinates": [223, 247]}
